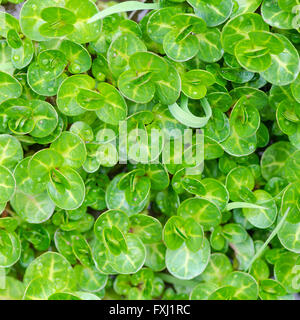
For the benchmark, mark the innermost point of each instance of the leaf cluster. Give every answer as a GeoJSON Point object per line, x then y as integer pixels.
{"type": "Point", "coordinates": [75, 224]}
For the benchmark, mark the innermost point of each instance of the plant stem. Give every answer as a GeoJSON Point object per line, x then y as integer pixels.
{"type": "Point", "coordinates": [123, 7]}
{"type": "Point", "coordinates": [12, 213]}
{"type": "Point", "coordinates": [272, 235]}
{"type": "Point", "coordinates": [135, 11]}
{"type": "Point", "coordinates": [238, 205]}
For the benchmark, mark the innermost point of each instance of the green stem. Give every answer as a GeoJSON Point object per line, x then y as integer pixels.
{"type": "Point", "coordinates": [238, 205]}
{"type": "Point", "coordinates": [272, 235]}
{"type": "Point", "coordinates": [135, 11]}
{"type": "Point", "coordinates": [184, 115]}
{"type": "Point", "coordinates": [12, 213]}
{"type": "Point", "coordinates": [170, 279]}
{"type": "Point", "coordinates": [124, 7]}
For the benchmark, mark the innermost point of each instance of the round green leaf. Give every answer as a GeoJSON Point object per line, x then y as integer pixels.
{"type": "Point", "coordinates": [185, 264]}
{"type": "Point", "coordinates": [262, 218]}
{"type": "Point", "coordinates": [71, 147]}
{"type": "Point", "coordinates": [9, 87]}
{"type": "Point", "coordinates": [53, 267]}
{"type": "Point", "coordinates": [205, 212]}
{"type": "Point", "coordinates": [214, 13]}
{"type": "Point", "coordinates": [132, 260]}
{"type": "Point", "coordinates": [68, 197]}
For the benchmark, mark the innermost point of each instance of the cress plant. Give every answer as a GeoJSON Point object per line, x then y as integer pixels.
{"type": "Point", "coordinates": [79, 223]}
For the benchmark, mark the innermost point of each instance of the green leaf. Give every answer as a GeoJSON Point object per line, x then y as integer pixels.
{"type": "Point", "coordinates": [218, 268]}
{"type": "Point", "coordinates": [285, 66]}
{"type": "Point", "coordinates": [39, 289]}
{"type": "Point", "coordinates": [214, 13]}
{"type": "Point", "coordinates": [67, 189]}
{"type": "Point", "coordinates": [82, 251]}
{"type": "Point", "coordinates": [8, 184]}
{"type": "Point", "coordinates": [234, 233]}
{"type": "Point", "coordinates": [185, 264]}
{"type": "Point", "coordinates": [39, 82]}
{"type": "Point", "coordinates": [147, 228]}
{"type": "Point", "coordinates": [90, 279]}
{"type": "Point", "coordinates": [262, 218]}
{"type": "Point", "coordinates": [120, 50]}
{"type": "Point", "coordinates": [68, 91]}
{"type": "Point", "coordinates": [238, 28]}
{"type": "Point", "coordinates": [275, 16]}
{"type": "Point", "coordinates": [195, 83]}
{"type": "Point", "coordinates": [149, 74]}
{"type": "Point", "coordinates": [133, 259]}
{"type": "Point", "coordinates": [205, 212]}
{"type": "Point", "coordinates": [53, 267]}
{"type": "Point", "coordinates": [71, 148]}
{"type": "Point", "coordinates": [10, 248]}
{"type": "Point", "coordinates": [246, 287]}
{"type": "Point", "coordinates": [9, 87]}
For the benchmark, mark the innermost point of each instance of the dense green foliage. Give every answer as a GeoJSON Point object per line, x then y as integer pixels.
{"type": "Point", "coordinates": [76, 223]}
